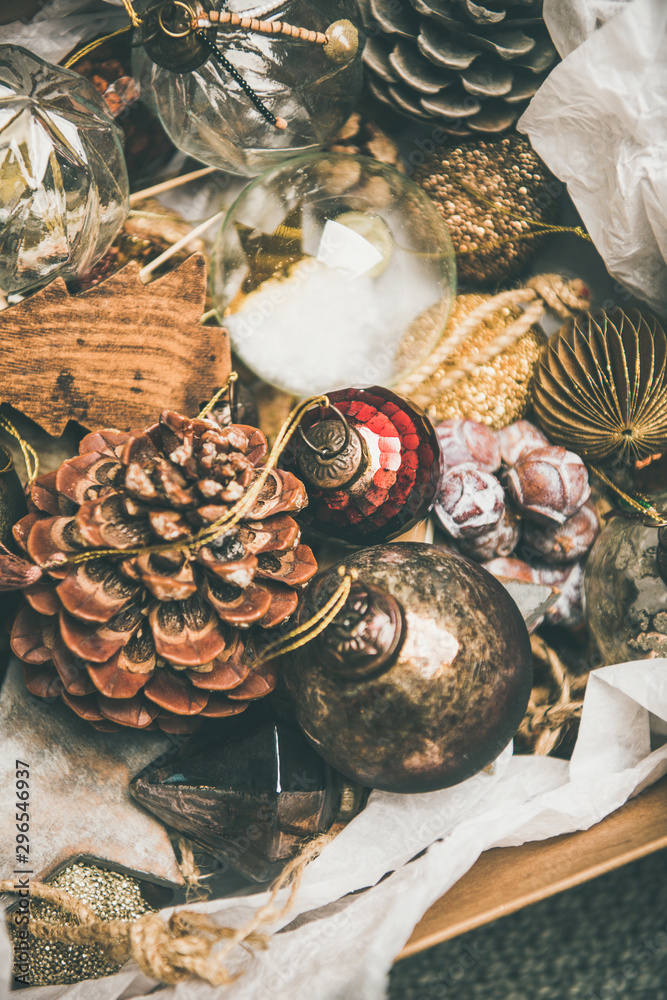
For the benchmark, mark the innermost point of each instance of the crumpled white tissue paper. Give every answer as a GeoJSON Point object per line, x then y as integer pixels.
{"type": "Point", "coordinates": [599, 122]}
{"type": "Point", "coordinates": [527, 798]}
{"type": "Point", "coordinates": [61, 25]}
{"type": "Point", "coordinates": [571, 21]}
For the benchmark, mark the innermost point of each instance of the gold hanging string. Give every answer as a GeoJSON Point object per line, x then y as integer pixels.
{"type": "Point", "coordinates": [309, 630]}
{"type": "Point", "coordinates": [643, 508]}
{"type": "Point", "coordinates": [131, 13]}
{"type": "Point", "coordinates": [93, 45]}
{"type": "Point", "coordinates": [211, 403]}
{"type": "Point", "coordinates": [539, 228]}
{"type": "Point", "coordinates": [30, 456]}
{"type": "Point", "coordinates": [135, 22]}
{"type": "Point", "coordinates": [230, 518]}
{"type": "Point", "coordinates": [247, 501]}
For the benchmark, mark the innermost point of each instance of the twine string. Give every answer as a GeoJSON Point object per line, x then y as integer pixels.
{"type": "Point", "coordinates": [186, 944]}
{"type": "Point", "coordinates": [544, 724]}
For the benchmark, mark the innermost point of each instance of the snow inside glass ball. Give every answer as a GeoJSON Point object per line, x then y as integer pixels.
{"type": "Point", "coordinates": [256, 83]}
{"type": "Point", "coordinates": [333, 271]}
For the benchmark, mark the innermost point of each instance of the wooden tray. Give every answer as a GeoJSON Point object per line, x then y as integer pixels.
{"type": "Point", "coordinates": [505, 879]}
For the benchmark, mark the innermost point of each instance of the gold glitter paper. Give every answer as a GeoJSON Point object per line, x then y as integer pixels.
{"type": "Point", "coordinates": [111, 895]}
{"type": "Point", "coordinates": [601, 386]}
{"type": "Point", "coordinates": [512, 193]}
{"type": "Point", "coordinates": [498, 392]}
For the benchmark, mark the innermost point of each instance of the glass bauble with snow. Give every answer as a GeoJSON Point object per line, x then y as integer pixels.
{"type": "Point", "coordinates": [333, 271]}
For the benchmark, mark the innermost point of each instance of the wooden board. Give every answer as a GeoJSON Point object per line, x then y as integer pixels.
{"type": "Point", "coordinates": [115, 355]}
{"type": "Point", "coordinates": [505, 879]}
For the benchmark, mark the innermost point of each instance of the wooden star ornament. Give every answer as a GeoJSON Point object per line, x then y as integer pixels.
{"type": "Point", "coordinates": [115, 355]}
{"type": "Point", "coordinates": [78, 803]}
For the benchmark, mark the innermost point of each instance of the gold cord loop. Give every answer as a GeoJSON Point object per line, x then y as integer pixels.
{"type": "Point", "coordinates": [215, 399]}
{"type": "Point", "coordinates": [30, 456]}
{"type": "Point", "coordinates": [309, 630]}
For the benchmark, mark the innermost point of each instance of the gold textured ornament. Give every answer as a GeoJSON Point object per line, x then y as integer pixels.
{"type": "Point", "coordinates": [483, 366]}
{"type": "Point", "coordinates": [492, 193]}
{"type": "Point", "coordinates": [601, 386]}
{"type": "Point", "coordinates": [497, 393]}
{"type": "Point", "coordinates": [111, 895]}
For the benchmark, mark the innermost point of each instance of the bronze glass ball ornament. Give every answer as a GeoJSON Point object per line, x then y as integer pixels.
{"type": "Point", "coordinates": [422, 678]}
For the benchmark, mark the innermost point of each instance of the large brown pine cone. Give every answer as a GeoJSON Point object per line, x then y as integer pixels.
{"type": "Point", "coordinates": [161, 640]}
{"type": "Point", "coordinates": [469, 66]}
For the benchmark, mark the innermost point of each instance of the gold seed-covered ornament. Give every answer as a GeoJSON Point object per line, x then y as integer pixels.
{"type": "Point", "coordinates": [491, 193]}
{"type": "Point", "coordinates": [111, 896]}
{"type": "Point", "coordinates": [600, 388]}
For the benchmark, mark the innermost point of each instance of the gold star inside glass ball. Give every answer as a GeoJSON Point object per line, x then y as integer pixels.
{"type": "Point", "coordinates": [112, 896]}
{"type": "Point", "coordinates": [491, 193]}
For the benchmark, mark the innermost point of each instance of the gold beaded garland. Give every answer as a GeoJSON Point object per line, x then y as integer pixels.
{"type": "Point", "coordinates": [491, 193]}
{"type": "Point", "coordinates": [111, 895]}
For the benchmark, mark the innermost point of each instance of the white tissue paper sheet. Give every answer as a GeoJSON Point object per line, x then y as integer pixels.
{"type": "Point", "coordinates": [62, 25]}
{"type": "Point", "coordinates": [525, 799]}
{"type": "Point", "coordinates": [571, 21]}
{"type": "Point", "coordinates": [599, 121]}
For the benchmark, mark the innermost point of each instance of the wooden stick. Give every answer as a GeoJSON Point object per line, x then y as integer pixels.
{"type": "Point", "coordinates": [169, 185]}
{"type": "Point", "coordinates": [178, 245]}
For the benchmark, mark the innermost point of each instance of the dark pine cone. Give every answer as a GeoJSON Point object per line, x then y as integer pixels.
{"type": "Point", "coordinates": [469, 66]}
{"type": "Point", "coordinates": [157, 640]}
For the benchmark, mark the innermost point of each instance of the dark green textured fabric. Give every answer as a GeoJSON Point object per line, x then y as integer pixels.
{"type": "Point", "coordinates": [605, 940]}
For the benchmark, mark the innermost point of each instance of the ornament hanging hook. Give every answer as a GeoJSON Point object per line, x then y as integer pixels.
{"type": "Point", "coordinates": [326, 452]}
{"type": "Point", "coordinates": [190, 14]}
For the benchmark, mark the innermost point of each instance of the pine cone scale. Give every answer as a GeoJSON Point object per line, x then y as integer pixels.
{"type": "Point", "coordinates": [238, 606]}
{"type": "Point", "coordinates": [95, 591]}
{"type": "Point", "coordinates": [114, 682]}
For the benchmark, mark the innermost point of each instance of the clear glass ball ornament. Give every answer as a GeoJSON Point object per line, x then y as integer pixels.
{"type": "Point", "coordinates": [309, 87]}
{"type": "Point", "coordinates": [63, 183]}
{"type": "Point", "coordinates": [625, 588]}
{"type": "Point", "coordinates": [333, 271]}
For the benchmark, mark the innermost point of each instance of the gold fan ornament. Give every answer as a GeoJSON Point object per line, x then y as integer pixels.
{"type": "Point", "coordinates": [600, 388]}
